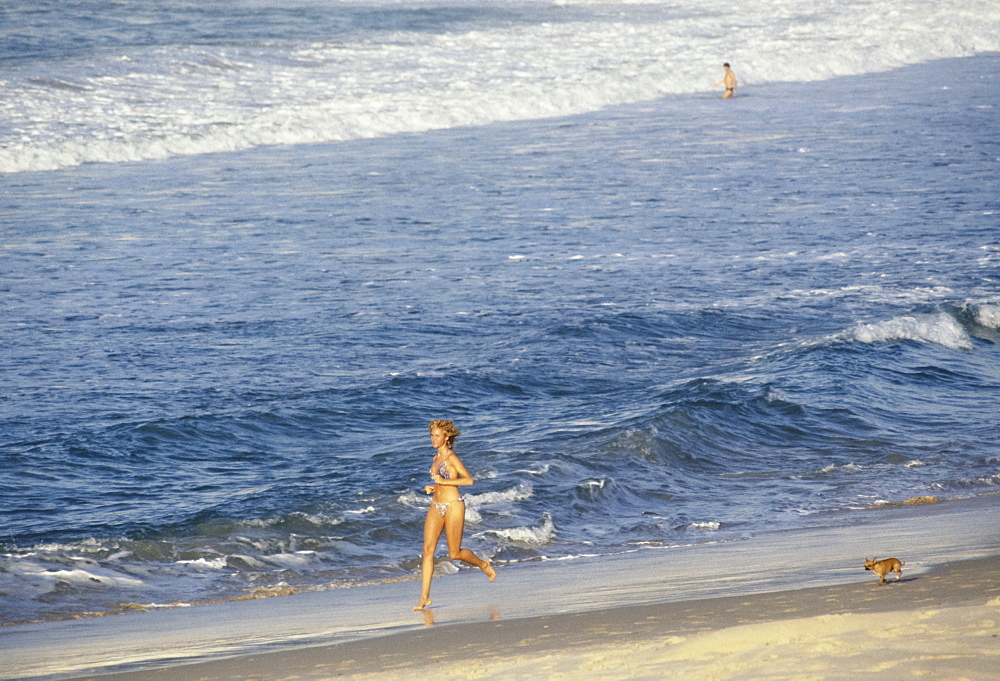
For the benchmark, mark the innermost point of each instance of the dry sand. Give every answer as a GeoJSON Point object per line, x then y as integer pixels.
{"type": "Point", "coordinates": [942, 624]}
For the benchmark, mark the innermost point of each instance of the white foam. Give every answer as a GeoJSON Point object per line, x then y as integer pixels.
{"type": "Point", "coordinates": [293, 560]}
{"type": "Point", "coordinates": [539, 469]}
{"type": "Point", "coordinates": [33, 574]}
{"type": "Point", "coordinates": [472, 516]}
{"type": "Point", "coordinates": [157, 102]}
{"type": "Point", "coordinates": [528, 537]}
{"type": "Point", "coordinates": [411, 499]}
{"type": "Point", "coordinates": [988, 316]}
{"type": "Point", "coordinates": [78, 576]}
{"type": "Point", "coordinates": [519, 493]}
{"type": "Point", "coordinates": [940, 328]}
{"type": "Point", "coordinates": [316, 519]}
{"type": "Point", "coordinates": [362, 511]}
{"type": "Point", "coordinates": [207, 563]}
{"type": "Point", "coordinates": [709, 526]}
{"type": "Point", "coordinates": [845, 467]}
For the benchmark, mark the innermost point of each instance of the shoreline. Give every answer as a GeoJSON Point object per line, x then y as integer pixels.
{"type": "Point", "coordinates": [951, 602]}
{"type": "Point", "coordinates": [126, 608]}
{"type": "Point", "coordinates": [652, 598]}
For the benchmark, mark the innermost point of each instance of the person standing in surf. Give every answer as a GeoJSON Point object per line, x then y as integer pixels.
{"type": "Point", "coordinates": [447, 509]}
{"type": "Point", "coordinates": [729, 79]}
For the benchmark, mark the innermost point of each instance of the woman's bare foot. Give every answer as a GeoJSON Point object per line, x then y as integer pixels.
{"type": "Point", "coordinates": [422, 604]}
{"type": "Point", "coordinates": [488, 569]}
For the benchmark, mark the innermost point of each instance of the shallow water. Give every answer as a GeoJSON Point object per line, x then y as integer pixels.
{"type": "Point", "coordinates": [923, 537]}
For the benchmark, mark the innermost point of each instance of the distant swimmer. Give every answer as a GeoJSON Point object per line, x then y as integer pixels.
{"type": "Point", "coordinates": [729, 80]}
{"type": "Point", "coordinates": [447, 509]}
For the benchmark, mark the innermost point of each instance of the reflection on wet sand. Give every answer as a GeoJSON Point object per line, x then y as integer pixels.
{"type": "Point", "coordinates": [493, 614]}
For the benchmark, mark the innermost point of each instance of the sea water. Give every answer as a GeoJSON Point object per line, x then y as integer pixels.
{"type": "Point", "coordinates": [249, 251]}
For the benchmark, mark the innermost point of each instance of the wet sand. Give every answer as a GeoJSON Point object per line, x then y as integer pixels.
{"type": "Point", "coordinates": [944, 623]}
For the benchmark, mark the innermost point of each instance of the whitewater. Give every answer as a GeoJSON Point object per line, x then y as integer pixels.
{"type": "Point", "coordinates": [90, 81]}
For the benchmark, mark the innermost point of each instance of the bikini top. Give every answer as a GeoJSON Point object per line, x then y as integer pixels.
{"type": "Point", "coordinates": [443, 471]}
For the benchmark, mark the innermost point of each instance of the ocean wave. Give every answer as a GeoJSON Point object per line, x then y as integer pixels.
{"type": "Point", "coordinates": [32, 575]}
{"type": "Point", "coordinates": [362, 511]}
{"type": "Point", "coordinates": [705, 526]}
{"type": "Point", "coordinates": [520, 492]}
{"type": "Point", "coordinates": [207, 563]}
{"type": "Point", "coordinates": [940, 328]}
{"type": "Point", "coordinates": [526, 536]}
{"type": "Point", "coordinates": [187, 100]}
{"type": "Point", "coordinates": [833, 468]}
{"type": "Point", "coordinates": [987, 315]}
{"type": "Point", "coordinates": [301, 521]}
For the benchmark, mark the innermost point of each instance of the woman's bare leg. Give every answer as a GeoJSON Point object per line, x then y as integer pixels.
{"type": "Point", "coordinates": [433, 524]}
{"type": "Point", "coordinates": [454, 526]}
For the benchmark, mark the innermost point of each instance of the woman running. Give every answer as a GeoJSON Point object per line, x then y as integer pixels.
{"type": "Point", "coordinates": [447, 509]}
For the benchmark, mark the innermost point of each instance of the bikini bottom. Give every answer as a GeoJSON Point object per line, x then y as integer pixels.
{"type": "Point", "coordinates": [442, 509]}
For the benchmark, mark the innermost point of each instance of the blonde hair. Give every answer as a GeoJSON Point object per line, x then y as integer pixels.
{"type": "Point", "coordinates": [447, 427]}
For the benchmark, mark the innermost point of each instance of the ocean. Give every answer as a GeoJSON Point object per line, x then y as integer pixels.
{"type": "Point", "coordinates": [249, 251]}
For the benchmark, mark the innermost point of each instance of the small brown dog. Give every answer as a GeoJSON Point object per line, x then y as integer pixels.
{"type": "Point", "coordinates": [884, 567]}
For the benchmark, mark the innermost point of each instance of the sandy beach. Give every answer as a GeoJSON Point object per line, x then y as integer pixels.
{"type": "Point", "coordinates": [944, 624]}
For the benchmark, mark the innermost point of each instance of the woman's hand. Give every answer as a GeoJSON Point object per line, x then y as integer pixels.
{"type": "Point", "coordinates": [429, 489]}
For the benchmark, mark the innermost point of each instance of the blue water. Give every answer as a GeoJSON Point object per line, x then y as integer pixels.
{"type": "Point", "coordinates": [662, 322]}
